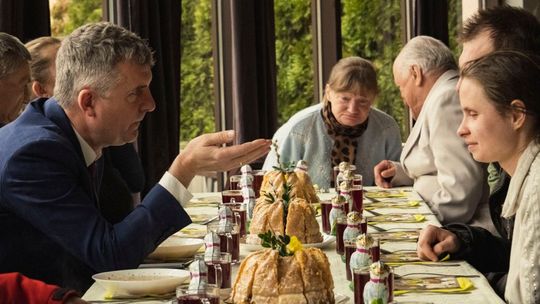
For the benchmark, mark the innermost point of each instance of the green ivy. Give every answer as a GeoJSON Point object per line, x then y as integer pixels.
{"type": "Point", "coordinates": [454, 25]}
{"type": "Point", "coordinates": [372, 30]}
{"type": "Point", "coordinates": [294, 53]}
{"type": "Point", "coordinates": [196, 70]}
{"type": "Point", "coordinates": [277, 242]}
{"type": "Point", "coordinates": [67, 15]}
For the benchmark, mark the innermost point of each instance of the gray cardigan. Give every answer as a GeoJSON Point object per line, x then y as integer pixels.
{"type": "Point", "coordinates": [305, 137]}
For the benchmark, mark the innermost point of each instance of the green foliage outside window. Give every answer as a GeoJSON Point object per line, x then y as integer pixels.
{"type": "Point", "coordinates": [454, 26]}
{"type": "Point", "coordinates": [67, 15]}
{"type": "Point", "coordinates": [293, 63]}
{"type": "Point", "coordinates": [294, 55]}
{"type": "Point", "coordinates": [196, 70]}
{"type": "Point", "coordinates": [372, 30]}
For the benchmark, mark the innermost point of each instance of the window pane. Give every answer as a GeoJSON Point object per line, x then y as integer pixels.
{"type": "Point", "coordinates": [67, 15]}
{"type": "Point", "coordinates": [293, 57]}
{"type": "Point", "coordinates": [196, 70]}
{"type": "Point", "coordinates": [454, 25]}
{"type": "Point", "coordinates": [372, 30]}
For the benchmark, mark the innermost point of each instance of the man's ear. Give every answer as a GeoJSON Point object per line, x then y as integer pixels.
{"type": "Point", "coordinates": [416, 74]}
{"type": "Point", "coordinates": [87, 102]}
{"type": "Point", "coordinates": [518, 113]}
{"type": "Point", "coordinates": [38, 90]}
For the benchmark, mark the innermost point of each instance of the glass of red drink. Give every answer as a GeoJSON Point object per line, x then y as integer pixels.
{"type": "Point", "coordinates": [350, 247]}
{"type": "Point", "coordinates": [333, 178]}
{"type": "Point", "coordinates": [258, 176]}
{"type": "Point", "coordinates": [210, 295]}
{"type": "Point", "coordinates": [341, 224]}
{"type": "Point", "coordinates": [360, 278]}
{"type": "Point", "coordinates": [390, 285]}
{"type": "Point", "coordinates": [345, 208]}
{"type": "Point", "coordinates": [240, 216]}
{"type": "Point", "coordinates": [357, 180]}
{"type": "Point", "coordinates": [234, 182]}
{"type": "Point", "coordinates": [228, 195]}
{"type": "Point", "coordinates": [375, 251]}
{"type": "Point", "coordinates": [219, 272]}
{"type": "Point", "coordinates": [358, 198]}
{"type": "Point", "coordinates": [326, 206]}
{"type": "Point", "coordinates": [229, 242]}
{"type": "Point", "coordinates": [363, 225]}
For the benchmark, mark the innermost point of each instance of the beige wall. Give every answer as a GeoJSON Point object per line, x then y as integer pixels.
{"type": "Point", "coordinates": [469, 7]}
{"type": "Point", "coordinates": [532, 6]}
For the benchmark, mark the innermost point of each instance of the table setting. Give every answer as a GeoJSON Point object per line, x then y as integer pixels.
{"type": "Point", "coordinates": [391, 218]}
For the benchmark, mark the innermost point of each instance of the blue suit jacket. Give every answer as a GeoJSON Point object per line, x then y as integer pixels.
{"type": "Point", "coordinates": [51, 227]}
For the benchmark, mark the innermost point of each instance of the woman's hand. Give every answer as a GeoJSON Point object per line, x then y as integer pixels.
{"type": "Point", "coordinates": [435, 241]}
{"type": "Point", "coordinates": [384, 172]}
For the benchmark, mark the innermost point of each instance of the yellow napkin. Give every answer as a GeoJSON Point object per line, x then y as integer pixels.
{"type": "Point", "coordinates": [399, 218]}
{"type": "Point", "coordinates": [446, 258]}
{"type": "Point", "coordinates": [419, 218]}
{"type": "Point", "coordinates": [465, 285]}
{"type": "Point", "coordinates": [386, 194]}
{"type": "Point", "coordinates": [397, 236]}
{"type": "Point", "coordinates": [380, 205]}
{"type": "Point", "coordinates": [413, 203]}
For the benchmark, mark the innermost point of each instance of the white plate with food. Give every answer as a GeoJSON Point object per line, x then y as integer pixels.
{"type": "Point", "coordinates": [327, 240]}
{"type": "Point", "coordinates": [192, 231]}
{"type": "Point", "coordinates": [176, 247]}
{"type": "Point", "coordinates": [140, 282]}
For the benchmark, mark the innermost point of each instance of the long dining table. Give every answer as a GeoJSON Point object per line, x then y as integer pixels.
{"type": "Point", "coordinates": [202, 209]}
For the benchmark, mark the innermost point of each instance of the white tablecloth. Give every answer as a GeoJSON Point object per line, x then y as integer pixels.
{"type": "Point", "coordinates": [481, 294]}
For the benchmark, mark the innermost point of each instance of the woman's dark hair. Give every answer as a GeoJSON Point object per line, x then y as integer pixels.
{"type": "Point", "coordinates": [506, 76]}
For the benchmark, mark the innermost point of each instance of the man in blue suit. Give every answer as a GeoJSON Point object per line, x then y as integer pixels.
{"type": "Point", "coordinates": [50, 223]}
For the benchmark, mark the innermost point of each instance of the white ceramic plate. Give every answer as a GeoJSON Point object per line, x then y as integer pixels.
{"type": "Point", "coordinates": [140, 282]}
{"type": "Point", "coordinates": [341, 299]}
{"type": "Point", "coordinates": [209, 201]}
{"type": "Point", "coordinates": [192, 231]}
{"type": "Point", "coordinates": [327, 240]}
{"type": "Point", "coordinates": [176, 247]}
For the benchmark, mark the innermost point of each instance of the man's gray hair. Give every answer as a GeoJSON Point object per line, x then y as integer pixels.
{"type": "Point", "coordinates": [427, 53]}
{"type": "Point", "coordinates": [89, 56]}
{"type": "Point", "coordinates": [12, 54]}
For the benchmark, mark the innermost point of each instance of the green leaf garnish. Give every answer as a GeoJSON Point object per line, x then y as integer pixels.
{"type": "Point", "coordinates": [276, 242]}
{"type": "Point", "coordinates": [284, 170]}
